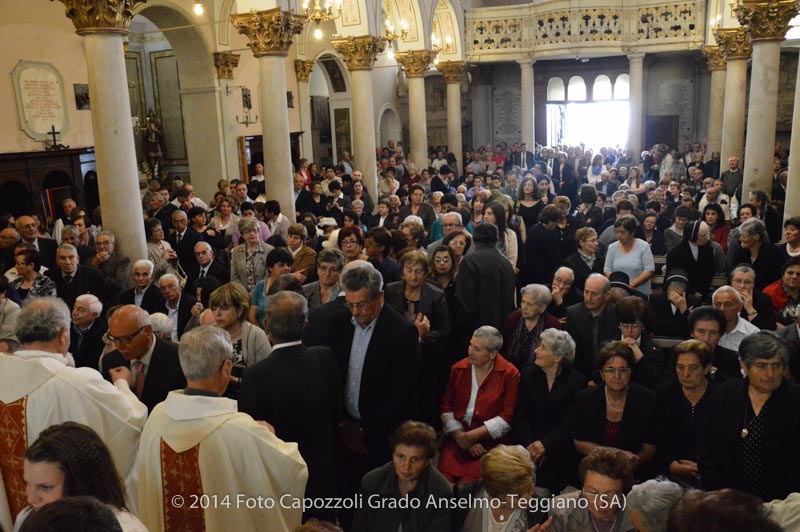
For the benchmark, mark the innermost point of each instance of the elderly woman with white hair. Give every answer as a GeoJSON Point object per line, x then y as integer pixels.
{"type": "Point", "coordinates": [523, 327]}
{"type": "Point", "coordinates": [546, 396]}
{"type": "Point", "coordinates": [478, 406]}
{"type": "Point", "coordinates": [649, 504]}
{"type": "Point", "coordinates": [757, 251]}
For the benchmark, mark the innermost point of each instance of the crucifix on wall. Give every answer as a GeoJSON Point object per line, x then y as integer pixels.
{"type": "Point", "coordinates": [54, 146]}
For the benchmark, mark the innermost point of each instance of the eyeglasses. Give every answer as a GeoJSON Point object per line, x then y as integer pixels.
{"type": "Point", "coordinates": [450, 226]}
{"type": "Point", "coordinates": [363, 305]}
{"type": "Point", "coordinates": [621, 371]}
{"type": "Point", "coordinates": [101, 244]}
{"type": "Point", "coordinates": [629, 326]}
{"type": "Point", "coordinates": [125, 340]}
{"type": "Point", "coordinates": [441, 260]}
{"type": "Point", "coordinates": [349, 242]}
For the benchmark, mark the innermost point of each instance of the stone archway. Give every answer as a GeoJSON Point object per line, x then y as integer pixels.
{"type": "Point", "coordinates": [391, 128]}
{"type": "Point", "coordinates": [331, 103]}
{"type": "Point", "coordinates": [199, 95]}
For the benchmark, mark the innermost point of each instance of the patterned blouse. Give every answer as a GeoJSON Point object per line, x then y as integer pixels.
{"type": "Point", "coordinates": [42, 287]}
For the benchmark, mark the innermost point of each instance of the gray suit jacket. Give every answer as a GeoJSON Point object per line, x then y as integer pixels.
{"type": "Point", "coordinates": [239, 265]}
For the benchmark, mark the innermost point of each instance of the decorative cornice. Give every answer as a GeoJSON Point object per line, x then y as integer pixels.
{"type": "Point", "coordinates": [302, 69]}
{"type": "Point", "coordinates": [225, 62]}
{"type": "Point", "coordinates": [714, 57]}
{"type": "Point", "coordinates": [415, 62]}
{"type": "Point", "coordinates": [359, 52]}
{"type": "Point", "coordinates": [101, 16]}
{"type": "Point", "coordinates": [269, 32]}
{"type": "Point", "coordinates": [734, 43]}
{"type": "Point", "coordinates": [454, 71]}
{"type": "Point", "coordinates": [767, 20]}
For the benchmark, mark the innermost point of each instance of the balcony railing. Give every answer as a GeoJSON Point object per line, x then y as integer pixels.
{"type": "Point", "coordinates": [557, 27]}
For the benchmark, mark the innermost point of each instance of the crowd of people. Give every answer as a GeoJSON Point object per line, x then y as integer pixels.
{"type": "Point", "coordinates": [549, 331]}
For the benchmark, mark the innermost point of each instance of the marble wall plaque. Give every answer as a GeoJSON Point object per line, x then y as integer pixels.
{"type": "Point", "coordinates": [41, 101]}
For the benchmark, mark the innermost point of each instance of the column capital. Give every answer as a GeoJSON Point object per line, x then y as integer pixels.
{"type": "Point", "coordinates": [633, 53]}
{"type": "Point", "coordinates": [454, 71]}
{"type": "Point", "coordinates": [359, 52]}
{"type": "Point", "coordinates": [302, 69]}
{"type": "Point", "coordinates": [526, 63]}
{"type": "Point", "coordinates": [714, 57]}
{"type": "Point", "coordinates": [734, 43]}
{"type": "Point", "coordinates": [766, 20]}
{"type": "Point", "coordinates": [101, 16]}
{"type": "Point", "coordinates": [225, 62]}
{"type": "Point", "coordinates": [415, 62]}
{"type": "Point", "coordinates": [270, 32]}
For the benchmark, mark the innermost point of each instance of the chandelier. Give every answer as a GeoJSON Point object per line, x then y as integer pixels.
{"type": "Point", "coordinates": [389, 33]}
{"type": "Point", "coordinates": [317, 13]}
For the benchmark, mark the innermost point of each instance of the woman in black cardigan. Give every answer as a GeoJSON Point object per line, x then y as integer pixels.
{"type": "Point", "coordinates": [756, 251]}
{"type": "Point", "coordinates": [616, 413]}
{"type": "Point", "coordinates": [546, 397]}
{"type": "Point", "coordinates": [699, 268]}
{"type": "Point", "coordinates": [588, 252]}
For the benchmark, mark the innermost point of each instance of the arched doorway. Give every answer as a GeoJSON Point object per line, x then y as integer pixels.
{"type": "Point", "coordinates": [329, 91]}
{"type": "Point", "coordinates": [173, 74]}
{"type": "Point", "coordinates": [390, 126]}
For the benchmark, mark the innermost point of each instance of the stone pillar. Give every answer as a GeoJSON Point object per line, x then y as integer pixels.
{"type": "Point", "coordinates": [415, 63]}
{"type": "Point", "coordinates": [269, 35]}
{"type": "Point", "coordinates": [103, 24]}
{"type": "Point", "coordinates": [736, 49]}
{"type": "Point", "coordinates": [453, 76]}
{"type": "Point", "coordinates": [481, 87]}
{"type": "Point", "coordinates": [359, 55]}
{"type": "Point", "coordinates": [527, 131]}
{"type": "Point", "coordinates": [792, 205]}
{"type": "Point", "coordinates": [302, 70]}
{"type": "Point", "coordinates": [636, 61]}
{"type": "Point", "coordinates": [767, 23]}
{"type": "Point", "coordinates": [716, 63]}
{"type": "Point", "coordinates": [225, 63]}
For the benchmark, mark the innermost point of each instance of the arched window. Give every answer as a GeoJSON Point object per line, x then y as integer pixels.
{"type": "Point", "coordinates": [555, 90]}
{"type": "Point", "coordinates": [602, 88]}
{"type": "Point", "coordinates": [577, 89]}
{"type": "Point", "coordinates": [622, 87]}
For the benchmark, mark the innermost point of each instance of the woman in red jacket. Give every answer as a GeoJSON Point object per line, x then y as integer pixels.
{"type": "Point", "coordinates": [478, 406]}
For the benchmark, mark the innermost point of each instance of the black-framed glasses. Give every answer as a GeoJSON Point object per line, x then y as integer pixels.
{"type": "Point", "coordinates": [621, 371]}
{"type": "Point", "coordinates": [125, 340]}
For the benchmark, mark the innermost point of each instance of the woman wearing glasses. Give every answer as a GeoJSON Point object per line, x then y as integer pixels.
{"type": "Point", "coordinates": [616, 413]}
{"type": "Point", "coordinates": [424, 305]}
{"type": "Point", "coordinates": [351, 241]}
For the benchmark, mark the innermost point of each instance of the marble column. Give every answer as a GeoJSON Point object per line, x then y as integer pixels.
{"type": "Point", "coordinates": [735, 46]}
{"type": "Point", "coordinates": [716, 63]}
{"type": "Point", "coordinates": [103, 24]}
{"type": "Point", "coordinates": [225, 63]}
{"type": "Point", "coordinates": [359, 55]}
{"type": "Point", "coordinates": [526, 111]}
{"type": "Point", "coordinates": [453, 77]}
{"type": "Point", "coordinates": [636, 99]}
{"type": "Point", "coordinates": [302, 70]}
{"type": "Point", "coordinates": [270, 35]}
{"type": "Point", "coordinates": [767, 23]}
{"type": "Point", "coordinates": [792, 206]}
{"type": "Point", "coordinates": [416, 63]}
{"type": "Point", "coordinates": [481, 105]}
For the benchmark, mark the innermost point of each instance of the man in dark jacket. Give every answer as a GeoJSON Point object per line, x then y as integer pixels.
{"type": "Point", "coordinates": [591, 323]}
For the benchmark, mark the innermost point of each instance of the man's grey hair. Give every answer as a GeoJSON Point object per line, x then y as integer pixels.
{"type": "Point", "coordinates": [566, 269]}
{"type": "Point", "coordinates": [490, 335]}
{"type": "Point", "coordinates": [753, 227]}
{"type": "Point", "coordinates": [560, 343]}
{"type": "Point", "coordinates": [653, 501]}
{"type": "Point", "coordinates": [177, 183]}
{"type": "Point", "coordinates": [357, 203]}
{"type": "Point", "coordinates": [144, 263]}
{"type": "Point", "coordinates": [161, 324]}
{"type": "Point", "coordinates": [606, 282]}
{"type": "Point", "coordinates": [109, 234]}
{"type": "Point", "coordinates": [331, 256]}
{"type": "Point", "coordinates": [67, 247]}
{"type": "Point", "coordinates": [619, 195]}
{"type": "Point", "coordinates": [285, 316]}
{"type": "Point", "coordinates": [203, 351]}
{"type": "Point", "coordinates": [360, 277]}
{"type": "Point", "coordinates": [727, 290]}
{"type": "Point", "coordinates": [541, 294]}
{"type": "Point", "coordinates": [763, 345]}
{"type": "Point", "coordinates": [206, 244]}
{"type": "Point", "coordinates": [95, 305]}
{"type": "Point", "coordinates": [454, 214]}
{"type": "Point", "coordinates": [42, 320]}
{"type": "Point", "coordinates": [743, 268]}
{"type": "Point", "coordinates": [69, 200]}
{"type": "Point", "coordinates": [179, 214]}
{"type": "Point", "coordinates": [169, 277]}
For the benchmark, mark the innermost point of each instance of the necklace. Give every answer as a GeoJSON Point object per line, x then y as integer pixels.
{"type": "Point", "coordinates": [611, 406]}
{"type": "Point", "coordinates": [746, 430]}
{"type": "Point", "coordinates": [594, 525]}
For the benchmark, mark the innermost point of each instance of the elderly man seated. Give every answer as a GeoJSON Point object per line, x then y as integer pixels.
{"type": "Point", "coordinates": [730, 302]}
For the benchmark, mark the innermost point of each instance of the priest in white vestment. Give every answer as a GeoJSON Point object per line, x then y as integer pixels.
{"type": "Point", "coordinates": [38, 389]}
{"type": "Point", "coordinates": [202, 465]}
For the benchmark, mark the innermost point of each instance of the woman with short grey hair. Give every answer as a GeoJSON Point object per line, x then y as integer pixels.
{"type": "Point", "coordinates": [546, 396]}
{"type": "Point", "coordinates": [758, 252]}
{"type": "Point", "coordinates": [523, 328]}
{"type": "Point", "coordinates": [249, 259]}
{"type": "Point", "coordinates": [329, 268]}
{"type": "Point", "coordinates": [476, 421]}
{"type": "Point", "coordinates": [649, 504]}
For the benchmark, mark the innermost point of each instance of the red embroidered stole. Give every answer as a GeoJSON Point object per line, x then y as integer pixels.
{"type": "Point", "coordinates": [180, 475]}
{"type": "Point", "coordinates": [13, 442]}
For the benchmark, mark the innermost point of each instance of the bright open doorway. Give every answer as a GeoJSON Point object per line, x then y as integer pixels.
{"type": "Point", "coordinates": [594, 124]}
